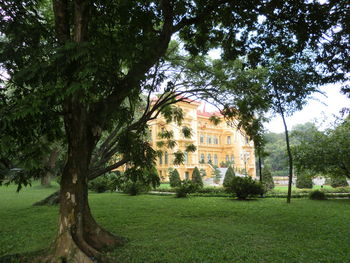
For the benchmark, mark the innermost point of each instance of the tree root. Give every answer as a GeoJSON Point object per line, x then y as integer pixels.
{"type": "Point", "coordinates": [53, 199]}
{"type": "Point", "coordinates": [73, 248]}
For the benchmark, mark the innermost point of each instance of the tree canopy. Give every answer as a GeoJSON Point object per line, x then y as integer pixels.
{"type": "Point", "coordinates": [76, 70]}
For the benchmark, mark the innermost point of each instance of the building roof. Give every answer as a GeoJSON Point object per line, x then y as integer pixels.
{"type": "Point", "coordinates": [209, 114]}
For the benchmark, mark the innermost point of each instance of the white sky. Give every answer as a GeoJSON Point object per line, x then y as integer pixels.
{"type": "Point", "coordinates": [321, 110]}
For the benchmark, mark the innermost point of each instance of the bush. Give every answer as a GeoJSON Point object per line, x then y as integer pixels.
{"type": "Point", "coordinates": [197, 178]}
{"type": "Point", "coordinates": [338, 182]}
{"type": "Point", "coordinates": [229, 175]}
{"type": "Point", "coordinates": [100, 184]}
{"type": "Point", "coordinates": [135, 188]}
{"type": "Point", "coordinates": [317, 195]}
{"type": "Point", "coordinates": [267, 179]}
{"type": "Point", "coordinates": [136, 180]}
{"type": "Point", "coordinates": [187, 187]}
{"type": "Point", "coordinates": [304, 180]}
{"type": "Point", "coordinates": [244, 187]}
{"type": "Point", "coordinates": [174, 178]}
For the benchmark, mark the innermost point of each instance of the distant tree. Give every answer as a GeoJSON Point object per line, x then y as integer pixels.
{"type": "Point", "coordinates": [196, 177]}
{"type": "Point", "coordinates": [304, 180]}
{"type": "Point", "coordinates": [216, 175]}
{"type": "Point", "coordinates": [277, 157]}
{"type": "Point", "coordinates": [229, 175]}
{"type": "Point", "coordinates": [267, 179]}
{"type": "Point", "coordinates": [325, 152]}
{"type": "Point", "coordinates": [174, 178]}
{"type": "Point", "coordinates": [338, 182]}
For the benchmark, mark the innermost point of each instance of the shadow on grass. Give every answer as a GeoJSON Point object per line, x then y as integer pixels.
{"type": "Point", "coordinates": [29, 257]}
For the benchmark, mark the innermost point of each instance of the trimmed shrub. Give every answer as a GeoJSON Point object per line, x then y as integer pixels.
{"type": "Point", "coordinates": [135, 188]}
{"type": "Point", "coordinates": [187, 187]}
{"type": "Point", "coordinates": [229, 175]}
{"type": "Point", "coordinates": [174, 178]}
{"type": "Point", "coordinates": [197, 178]}
{"type": "Point", "coordinates": [317, 195]}
{"type": "Point", "coordinates": [267, 179]}
{"type": "Point", "coordinates": [244, 187]}
{"type": "Point", "coordinates": [136, 180]}
{"type": "Point", "coordinates": [338, 182]}
{"type": "Point", "coordinates": [304, 180]}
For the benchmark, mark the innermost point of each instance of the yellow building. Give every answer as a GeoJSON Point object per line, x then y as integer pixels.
{"type": "Point", "coordinates": [217, 145]}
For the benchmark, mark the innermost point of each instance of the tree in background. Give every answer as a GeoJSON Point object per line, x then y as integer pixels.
{"type": "Point", "coordinates": [338, 182]}
{"type": "Point", "coordinates": [304, 180]}
{"type": "Point", "coordinates": [324, 152]}
{"type": "Point", "coordinates": [174, 178]}
{"type": "Point", "coordinates": [277, 157]}
{"type": "Point", "coordinates": [196, 177]}
{"type": "Point", "coordinates": [244, 187]}
{"type": "Point", "coordinates": [229, 175]}
{"type": "Point", "coordinates": [267, 179]}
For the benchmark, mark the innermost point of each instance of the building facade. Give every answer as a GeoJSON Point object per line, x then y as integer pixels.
{"type": "Point", "coordinates": [217, 145]}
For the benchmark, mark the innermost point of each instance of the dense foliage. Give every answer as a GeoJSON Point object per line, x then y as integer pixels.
{"type": "Point", "coordinates": [197, 178]}
{"type": "Point", "coordinates": [267, 178]}
{"type": "Point", "coordinates": [186, 187]}
{"type": "Point", "coordinates": [174, 178]}
{"type": "Point", "coordinates": [229, 175]}
{"type": "Point", "coordinates": [338, 182]}
{"type": "Point", "coordinates": [325, 152]}
{"type": "Point", "coordinates": [317, 195]}
{"type": "Point", "coordinates": [304, 180]}
{"type": "Point", "coordinates": [244, 187]}
{"type": "Point", "coordinates": [76, 71]}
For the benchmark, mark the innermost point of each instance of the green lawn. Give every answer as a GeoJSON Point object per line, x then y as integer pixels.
{"type": "Point", "coordinates": [198, 229]}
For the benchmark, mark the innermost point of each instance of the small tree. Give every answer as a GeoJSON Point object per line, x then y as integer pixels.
{"type": "Point", "coordinates": [304, 180]}
{"type": "Point", "coordinates": [197, 178]}
{"type": "Point", "coordinates": [229, 175]}
{"type": "Point", "coordinates": [244, 187]}
{"type": "Point", "coordinates": [174, 178]}
{"type": "Point", "coordinates": [267, 179]}
{"type": "Point", "coordinates": [216, 175]}
{"type": "Point", "coordinates": [186, 187]}
{"type": "Point", "coordinates": [338, 182]}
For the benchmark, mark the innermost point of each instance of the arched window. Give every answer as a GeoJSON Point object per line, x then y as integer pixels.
{"type": "Point", "coordinates": [202, 158]}
{"type": "Point", "coordinates": [201, 138]}
{"type": "Point", "coordinates": [209, 139]}
{"type": "Point", "coordinates": [216, 140]}
{"type": "Point", "coordinates": [209, 157]}
{"type": "Point", "coordinates": [215, 159]}
{"type": "Point", "coordinates": [186, 157]}
{"type": "Point", "coordinates": [166, 158]}
{"type": "Point", "coordinates": [228, 139]}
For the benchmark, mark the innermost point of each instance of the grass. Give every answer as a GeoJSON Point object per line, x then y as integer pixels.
{"type": "Point", "coordinates": [167, 229]}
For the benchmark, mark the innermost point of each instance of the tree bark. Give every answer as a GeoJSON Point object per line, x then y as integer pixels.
{"type": "Point", "coordinates": [290, 158]}
{"type": "Point", "coordinates": [80, 239]}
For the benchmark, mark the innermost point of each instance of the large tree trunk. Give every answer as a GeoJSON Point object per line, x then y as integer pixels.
{"type": "Point", "coordinates": [80, 239]}
{"type": "Point", "coordinates": [290, 157]}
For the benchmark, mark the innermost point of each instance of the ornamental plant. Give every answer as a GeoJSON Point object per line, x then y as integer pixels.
{"type": "Point", "coordinates": [197, 178]}
{"type": "Point", "coordinates": [174, 178]}
{"type": "Point", "coordinates": [229, 175]}
{"type": "Point", "coordinates": [244, 187]}
{"type": "Point", "coordinates": [304, 180]}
